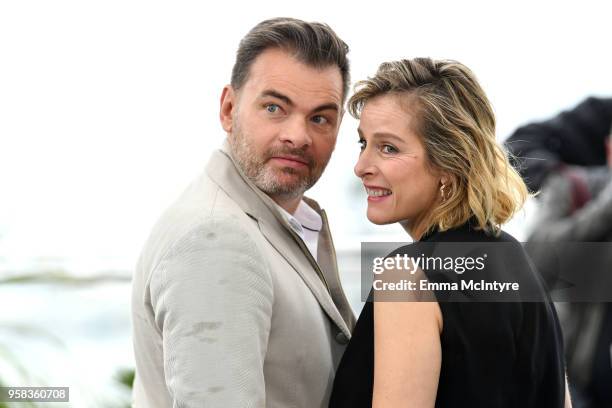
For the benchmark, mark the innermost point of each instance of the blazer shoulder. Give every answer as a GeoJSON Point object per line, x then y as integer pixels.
{"type": "Point", "coordinates": [201, 213]}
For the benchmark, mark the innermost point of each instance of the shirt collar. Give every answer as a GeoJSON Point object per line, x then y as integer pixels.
{"type": "Point", "coordinates": [305, 216]}
{"type": "Point", "coordinates": [308, 217]}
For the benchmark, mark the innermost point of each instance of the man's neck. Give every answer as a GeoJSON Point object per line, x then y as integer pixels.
{"type": "Point", "coordinates": [289, 204]}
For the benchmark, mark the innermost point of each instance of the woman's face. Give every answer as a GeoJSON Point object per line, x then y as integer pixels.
{"type": "Point", "coordinates": [393, 166]}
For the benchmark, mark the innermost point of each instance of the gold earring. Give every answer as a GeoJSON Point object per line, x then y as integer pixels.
{"type": "Point", "coordinates": [442, 192]}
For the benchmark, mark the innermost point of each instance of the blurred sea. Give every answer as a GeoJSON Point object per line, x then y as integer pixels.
{"type": "Point", "coordinates": [65, 329]}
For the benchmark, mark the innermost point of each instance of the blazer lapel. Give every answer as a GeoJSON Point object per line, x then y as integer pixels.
{"type": "Point", "coordinates": [222, 170]}
{"type": "Point", "coordinates": [286, 248]}
{"type": "Point", "coordinates": [329, 265]}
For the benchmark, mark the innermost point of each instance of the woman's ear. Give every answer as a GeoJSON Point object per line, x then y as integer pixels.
{"type": "Point", "coordinates": [227, 108]}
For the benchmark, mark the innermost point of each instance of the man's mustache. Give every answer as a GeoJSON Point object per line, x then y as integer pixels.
{"type": "Point", "coordinates": [297, 153]}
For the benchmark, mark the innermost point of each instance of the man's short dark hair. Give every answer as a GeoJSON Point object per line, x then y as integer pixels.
{"type": "Point", "coordinates": [314, 44]}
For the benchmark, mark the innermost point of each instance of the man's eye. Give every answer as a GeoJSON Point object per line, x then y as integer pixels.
{"type": "Point", "coordinates": [272, 108]}
{"type": "Point", "coordinates": [319, 120]}
{"type": "Point", "coordinates": [362, 144]}
{"type": "Point", "coordinates": [388, 149]}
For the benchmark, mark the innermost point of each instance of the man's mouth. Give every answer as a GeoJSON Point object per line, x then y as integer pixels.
{"type": "Point", "coordinates": [291, 161]}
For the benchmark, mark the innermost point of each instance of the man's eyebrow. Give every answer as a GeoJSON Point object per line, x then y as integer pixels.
{"type": "Point", "coordinates": [288, 101]}
{"type": "Point", "coordinates": [277, 95]}
{"type": "Point", "coordinates": [327, 106]}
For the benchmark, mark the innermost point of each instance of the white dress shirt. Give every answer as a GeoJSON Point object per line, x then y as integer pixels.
{"type": "Point", "coordinates": [307, 223]}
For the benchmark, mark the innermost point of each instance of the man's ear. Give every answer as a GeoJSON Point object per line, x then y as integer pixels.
{"type": "Point", "coordinates": [227, 108]}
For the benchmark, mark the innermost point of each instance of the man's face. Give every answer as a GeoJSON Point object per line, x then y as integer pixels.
{"type": "Point", "coordinates": [283, 122]}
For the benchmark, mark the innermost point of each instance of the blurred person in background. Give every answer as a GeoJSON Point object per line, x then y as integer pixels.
{"type": "Point", "coordinates": [576, 205]}
{"type": "Point", "coordinates": [236, 297]}
{"type": "Point", "coordinates": [574, 137]}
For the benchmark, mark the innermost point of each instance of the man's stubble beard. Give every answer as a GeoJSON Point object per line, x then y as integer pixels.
{"type": "Point", "coordinates": [266, 178]}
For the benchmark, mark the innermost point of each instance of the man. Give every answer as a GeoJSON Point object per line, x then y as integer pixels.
{"type": "Point", "coordinates": [236, 297]}
{"type": "Point", "coordinates": [576, 206]}
{"type": "Point", "coordinates": [573, 137]}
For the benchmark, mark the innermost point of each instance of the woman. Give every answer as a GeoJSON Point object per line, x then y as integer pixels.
{"type": "Point", "coordinates": [429, 160]}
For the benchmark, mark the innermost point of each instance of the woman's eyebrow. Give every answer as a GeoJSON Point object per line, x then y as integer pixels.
{"type": "Point", "coordinates": [387, 135]}
{"type": "Point", "coordinates": [383, 135]}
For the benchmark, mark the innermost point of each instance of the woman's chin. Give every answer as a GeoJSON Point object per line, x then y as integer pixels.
{"type": "Point", "coordinates": [380, 219]}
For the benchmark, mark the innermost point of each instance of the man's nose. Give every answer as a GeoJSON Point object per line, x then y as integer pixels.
{"type": "Point", "coordinates": [296, 133]}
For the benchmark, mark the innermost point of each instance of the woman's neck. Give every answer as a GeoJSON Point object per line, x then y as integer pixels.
{"type": "Point", "coordinates": [415, 228]}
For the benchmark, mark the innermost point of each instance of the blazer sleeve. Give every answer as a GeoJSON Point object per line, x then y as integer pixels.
{"type": "Point", "coordinates": [212, 298]}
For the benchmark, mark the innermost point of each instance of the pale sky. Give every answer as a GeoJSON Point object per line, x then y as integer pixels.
{"type": "Point", "coordinates": [109, 109]}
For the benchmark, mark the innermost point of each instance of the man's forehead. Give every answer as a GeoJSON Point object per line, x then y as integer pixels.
{"type": "Point", "coordinates": [298, 91]}
{"type": "Point", "coordinates": [279, 71]}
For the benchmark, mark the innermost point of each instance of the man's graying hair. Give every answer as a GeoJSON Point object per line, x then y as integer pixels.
{"type": "Point", "coordinates": [314, 44]}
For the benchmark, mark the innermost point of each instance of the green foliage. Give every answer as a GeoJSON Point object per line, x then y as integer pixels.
{"type": "Point", "coordinates": [125, 376]}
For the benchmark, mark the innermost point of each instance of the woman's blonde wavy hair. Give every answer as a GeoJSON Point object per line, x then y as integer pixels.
{"type": "Point", "coordinates": [457, 127]}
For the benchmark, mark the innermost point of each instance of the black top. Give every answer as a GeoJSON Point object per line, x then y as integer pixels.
{"type": "Point", "coordinates": [494, 354]}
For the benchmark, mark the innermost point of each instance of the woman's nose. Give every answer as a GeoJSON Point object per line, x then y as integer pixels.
{"type": "Point", "coordinates": [364, 165]}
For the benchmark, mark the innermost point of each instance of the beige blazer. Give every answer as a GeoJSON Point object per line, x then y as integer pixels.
{"type": "Point", "coordinates": [229, 308]}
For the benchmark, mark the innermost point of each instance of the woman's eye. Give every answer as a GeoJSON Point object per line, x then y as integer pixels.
{"type": "Point", "coordinates": [272, 108]}
{"type": "Point", "coordinates": [362, 144]}
{"type": "Point", "coordinates": [388, 149]}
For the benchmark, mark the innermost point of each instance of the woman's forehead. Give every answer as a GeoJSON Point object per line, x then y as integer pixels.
{"type": "Point", "coordinates": [387, 114]}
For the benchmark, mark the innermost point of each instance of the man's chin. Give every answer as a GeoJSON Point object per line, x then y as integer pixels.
{"type": "Point", "coordinates": [289, 177]}
{"type": "Point", "coordinates": [282, 186]}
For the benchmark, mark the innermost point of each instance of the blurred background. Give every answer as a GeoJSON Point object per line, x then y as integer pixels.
{"type": "Point", "coordinates": [109, 109]}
